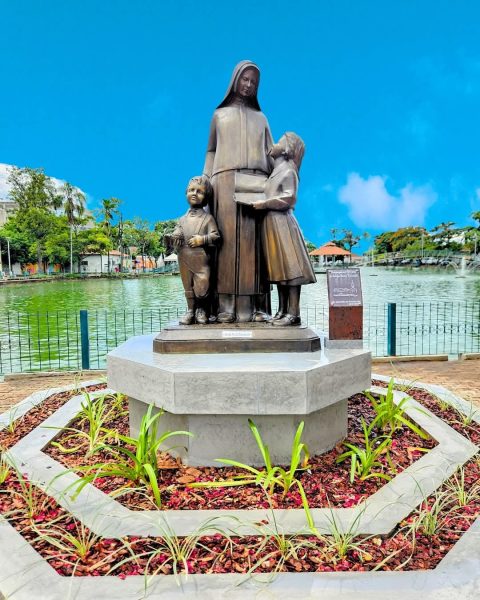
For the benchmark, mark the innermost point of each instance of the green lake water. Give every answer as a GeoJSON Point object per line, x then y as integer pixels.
{"type": "Point", "coordinates": [437, 312]}
{"type": "Point", "coordinates": [379, 286]}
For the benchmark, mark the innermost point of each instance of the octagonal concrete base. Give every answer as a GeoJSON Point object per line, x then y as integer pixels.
{"type": "Point", "coordinates": [213, 395]}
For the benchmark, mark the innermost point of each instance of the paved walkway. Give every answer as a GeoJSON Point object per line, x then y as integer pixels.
{"type": "Point", "coordinates": [12, 391]}
{"type": "Point", "coordinates": [462, 377]}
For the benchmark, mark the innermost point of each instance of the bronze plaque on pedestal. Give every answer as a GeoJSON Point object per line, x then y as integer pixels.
{"type": "Point", "coordinates": [345, 304]}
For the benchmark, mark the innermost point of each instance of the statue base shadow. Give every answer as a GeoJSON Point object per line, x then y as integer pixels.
{"type": "Point", "coordinates": [212, 394]}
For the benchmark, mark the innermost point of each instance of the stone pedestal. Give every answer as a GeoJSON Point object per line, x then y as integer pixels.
{"type": "Point", "coordinates": [213, 395]}
{"type": "Point", "coordinates": [235, 338]}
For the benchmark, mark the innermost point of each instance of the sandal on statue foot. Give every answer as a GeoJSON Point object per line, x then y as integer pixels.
{"type": "Point", "coordinates": [286, 321]}
{"type": "Point", "coordinates": [278, 315]}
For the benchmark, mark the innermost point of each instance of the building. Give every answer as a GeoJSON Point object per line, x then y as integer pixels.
{"type": "Point", "coordinates": [330, 254]}
{"type": "Point", "coordinates": [6, 209]}
{"type": "Point", "coordinates": [98, 263]}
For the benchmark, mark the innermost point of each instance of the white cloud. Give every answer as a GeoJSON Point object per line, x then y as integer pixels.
{"type": "Point", "coordinates": [5, 187]}
{"type": "Point", "coordinates": [371, 205]}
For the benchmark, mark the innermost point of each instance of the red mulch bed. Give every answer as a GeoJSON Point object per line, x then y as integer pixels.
{"type": "Point", "coordinates": [326, 483]}
{"type": "Point", "coordinates": [400, 550]}
{"type": "Point", "coordinates": [24, 425]}
{"type": "Point", "coordinates": [448, 414]}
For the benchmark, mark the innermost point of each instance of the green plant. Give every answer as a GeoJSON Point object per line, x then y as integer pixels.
{"type": "Point", "coordinates": [364, 460]}
{"type": "Point", "coordinates": [12, 420]}
{"type": "Point", "coordinates": [466, 418]}
{"type": "Point", "coordinates": [173, 552]}
{"type": "Point", "coordinates": [76, 543]}
{"type": "Point", "coordinates": [340, 541]}
{"type": "Point", "coordinates": [283, 548]}
{"type": "Point", "coordinates": [459, 492]}
{"type": "Point", "coordinates": [94, 413]}
{"type": "Point", "coordinates": [270, 476]}
{"type": "Point", "coordinates": [4, 470]}
{"type": "Point", "coordinates": [139, 464]}
{"type": "Point", "coordinates": [432, 515]}
{"type": "Point", "coordinates": [32, 501]}
{"type": "Point", "coordinates": [389, 414]}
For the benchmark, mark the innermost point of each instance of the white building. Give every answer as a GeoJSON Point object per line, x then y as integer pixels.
{"type": "Point", "coordinates": [6, 209]}
{"type": "Point", "coordinates": [98, 263]}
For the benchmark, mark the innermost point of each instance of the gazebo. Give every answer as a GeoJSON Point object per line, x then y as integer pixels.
{"type": "Point", "coordinates": [329, 253]}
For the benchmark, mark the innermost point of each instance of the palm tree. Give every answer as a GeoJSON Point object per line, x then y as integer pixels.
{"type": "Point", "coordinates": [73, 208]}
{"type": "Point", "coordinates": [108, 210]}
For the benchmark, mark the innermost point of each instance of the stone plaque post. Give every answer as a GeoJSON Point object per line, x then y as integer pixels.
{"type": "Point", "coordinates": [345, 304]}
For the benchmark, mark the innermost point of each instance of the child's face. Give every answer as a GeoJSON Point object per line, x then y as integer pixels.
{"type": "Point", "coordinates": [196, 194]}
{"type": "Point", "coordinates": [279, 148]}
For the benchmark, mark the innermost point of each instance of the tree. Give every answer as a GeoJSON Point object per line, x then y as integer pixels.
{"type": "Point", "coordinates": [476, 217]}
{"type": "Point", "coordinates": [163, 228]}
{"type": "Point", "coordinates": [73, 208]}
{"type": "Point", "coordinates": [310, 246]}
{"type": "Point", "coordinates": [108, 211]}
{"type": "Point", "coordinates": [141, 234]}
{"type": "Point", "coordinates": [349, 240]}
{"type": "Point", "coordinates": [36, 198]}
{"type": "Point", "coordinates": [31, 188]}
{"type": "Point", "coordinates": [443, 234]}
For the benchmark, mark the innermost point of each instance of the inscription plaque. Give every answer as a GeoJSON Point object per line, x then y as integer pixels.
{"type": "Point", "coordinates": [344, 287]}
{"type": "Point", "coordinates": [345, 319]}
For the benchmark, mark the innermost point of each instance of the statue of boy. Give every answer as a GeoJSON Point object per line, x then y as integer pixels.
{"type": "Point", "coordinates": [194, 231]}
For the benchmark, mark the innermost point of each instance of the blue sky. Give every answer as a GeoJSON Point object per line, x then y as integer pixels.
{"type": "Point", "coordinates": [116, 97]}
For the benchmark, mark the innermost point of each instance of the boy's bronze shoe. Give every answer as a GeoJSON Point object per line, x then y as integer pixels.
{"type": "Point", "coordinates": [188, 318]}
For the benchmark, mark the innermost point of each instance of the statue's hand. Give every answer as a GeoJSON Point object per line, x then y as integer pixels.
{"type": "Point", "coordinates": [195, 241]}
{"type": "Point", "coordinates": [259, 204]}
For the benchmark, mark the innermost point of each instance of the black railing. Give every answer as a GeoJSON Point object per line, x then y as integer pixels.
{"type": "Point", "coordinates": [64, 340]}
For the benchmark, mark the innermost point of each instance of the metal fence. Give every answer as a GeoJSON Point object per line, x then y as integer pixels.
{"type": "Point", "coordinates": [64, 340]}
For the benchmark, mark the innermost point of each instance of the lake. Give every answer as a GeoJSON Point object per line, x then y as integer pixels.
{"type": "Point", "coordinates": [437, 312]}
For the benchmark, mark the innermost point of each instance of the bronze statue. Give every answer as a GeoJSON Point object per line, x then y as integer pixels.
{"type": "Point", "coordinates": [284, 251]}
{"type": "Point", "coordinates": [237, 160]}
{"type": "Point", "coordinates": [195, 230]}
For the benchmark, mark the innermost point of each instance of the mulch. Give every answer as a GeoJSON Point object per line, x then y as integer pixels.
{"type": "Point", "coordinates": [52, 530]}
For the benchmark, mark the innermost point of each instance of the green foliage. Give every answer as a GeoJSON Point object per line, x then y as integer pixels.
{"type": "Point", "coordinates": [32, 189]}
{"type": "Point", "coordinates": [161, 229]}
{"type": "Point", "coordinates": [364, 460]}
{"type": "Point", "coordinates": [390, 415]}
{"type": "Point", "coordinates": [135, 458]}
{"type": "Point", "coordinates": [433, 515]}
{"type": "Point", "coordinates": [94, 414]}
{"type": "Point", "coordinates": [399, 240]}
{"type": "Point", "coordinates": [270, 476]}
{"type": "Point", "coordinates": [4, 470]}
{"type": "Point", "coordinates": [341, 541]}
{"type": "Point", "coordinates": [459, 491]}
{"type": "Point", "coordinates": [75, 544]}
{"type": "Point", "coordinates": [178, 550]}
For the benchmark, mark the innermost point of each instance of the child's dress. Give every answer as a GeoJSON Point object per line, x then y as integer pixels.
{"type": "Point", "coordinates": [284, 251]}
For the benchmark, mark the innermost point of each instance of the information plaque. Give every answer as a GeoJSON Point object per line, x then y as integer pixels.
{"type": "Point", "coordinates": [344, 287]}
{"type": "Point", "coordinates": [345, 304]}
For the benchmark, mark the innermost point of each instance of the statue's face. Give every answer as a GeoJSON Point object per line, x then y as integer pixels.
{"type": "Point", "coordinates": [279, 148]}
{"type": "Point", "coordinates": [247, 83]}
{"type": "Point", "coordinates": [196, 194]}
